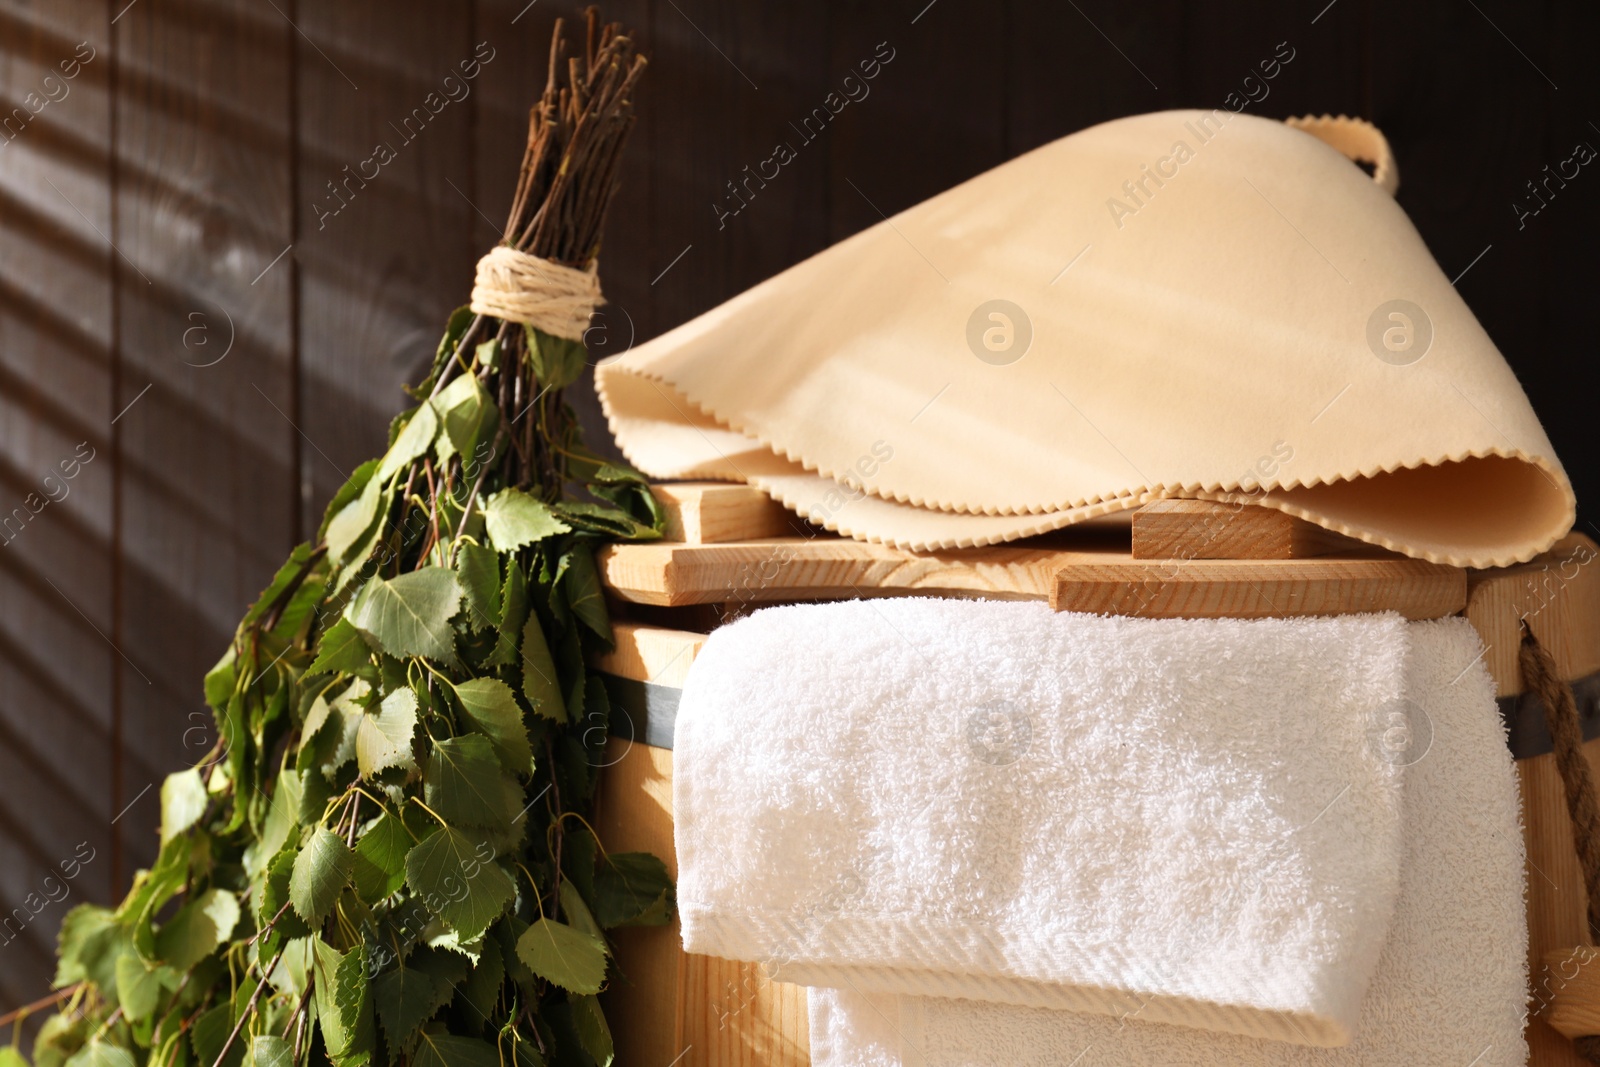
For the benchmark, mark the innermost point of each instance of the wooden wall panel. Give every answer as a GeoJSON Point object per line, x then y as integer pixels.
{"type": "Point", "coordinates": [205, 488]}
{"type": "Point", "coordinates": [55, 533]}
{"type": "Point", "coordinates": [382, 261]}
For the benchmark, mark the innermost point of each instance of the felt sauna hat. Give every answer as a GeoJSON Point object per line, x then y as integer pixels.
{"type": "Point", "coordinates": [1183, 304]}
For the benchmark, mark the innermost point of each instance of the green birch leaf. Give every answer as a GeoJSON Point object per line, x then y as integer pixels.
{"type": "Point", "coordinates": [557, 361]}
{"type": "Point", "coordinates": [383, 739]}
{"type": "Point", "coordinates": [342, 649]}
{"type": "Point", "coordinates": [183, 801]}
{"type": "Point", "coordinates": [632, 889]}
{"type": "Point", "coordinates": [210, 1032]}
{"type": "Point", "coordinates": [413, 442]}
{"type": "Point", "coordinates": [379, 867]}
{"type": "Point", "coordinates": [90, 940]}
{"type": "Point", "coordinates": [344, 1008]}
{"type": "Point", "coordinates": [355, 519]}
{"type": "Point", "coordinates": [513, 610]}
{"type": "Point", "coordinates": [410, 615]}
{"type": "Point", "coordinates": [283, 816]}
{"type": "Point", "coordinates": [443, 1050]}
{"type": "Point", "coordinates": [461, 318]}
{"type": "Point", "coordinates": [604, 519]}
{"type": "Point", "coordinates": [569, 958]}
{"type": "Point", "coordinates": [220, 680]}
{"type": "Point", "coordinates": [98, 1053]}
{"type": "Point", "coordinates": [463, 782]}
{"type": "Point", "coordinates": [513, 519]}
{"type": "Point", "coordinates": [405, 998]}
{"type": "Point", "coordinates": [321, 871]}
{"type": "Point", "coordinates": [593, 1033]}
{"type": "Point", "coordinates": [138, 987]}
{"type": "Point", "coordinates": [298, 558]}
{"type": "Point", "coordinates": [349, 491]}
{"type": "Point", "coordinates": [481, 991]}
{"type": "Point", "coordinates": [491, 709]}
{"type": "Point", "coordinates": [584, 595]}
{"type": "Point", "coordinates": [336, 743]}
{"type": "Point", "coordinates": [470, 415]}
{"type": "Point", "coordinates": [267, 1050]}
{"type": "Point", "coordinates": [321, 711]}
{"type": "Point", "coordinates": [576, 911]}
{"type": "Point", "coordinates": [274, 894]}
{"type": "Point", "coordinates": [198, 929]}
{"type": "Point", "coordinates": [478, 569]}
{"type": "Point", "coordinates": [539, 681]}
{"type": "Point", "coordinates": [457, 878]}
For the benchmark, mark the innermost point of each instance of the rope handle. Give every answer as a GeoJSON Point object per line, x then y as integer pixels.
{"type": "Point", "coordinates": [1359, 140]}
{"type": "Point", "coordinates": [1539, 674]}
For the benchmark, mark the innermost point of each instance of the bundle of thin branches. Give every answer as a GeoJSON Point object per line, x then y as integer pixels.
{"type": "Point", "coordinates": [387, 857]}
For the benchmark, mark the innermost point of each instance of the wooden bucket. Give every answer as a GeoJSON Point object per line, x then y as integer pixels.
{"type": "Point", "coordinates": [731, 549]}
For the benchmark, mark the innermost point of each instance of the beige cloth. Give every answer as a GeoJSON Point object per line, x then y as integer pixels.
{"type": "Point", "coordinates": [1211, 307]}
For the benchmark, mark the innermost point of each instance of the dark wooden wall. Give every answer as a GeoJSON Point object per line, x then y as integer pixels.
{"type": "Point", "coordinates": [175, 302]}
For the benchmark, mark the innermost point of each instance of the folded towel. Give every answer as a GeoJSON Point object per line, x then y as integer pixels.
{"type": "Point", "coordinates": [1191, 819]}
{"type": "Point", "coordinates": [1451, 984]}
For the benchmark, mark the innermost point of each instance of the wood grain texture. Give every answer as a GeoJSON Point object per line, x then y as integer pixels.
{"type": "Point", "coordinates": [1084, 579]}
{"type": "Point", "coordinates": [1202, 529]}
{"type": "Point", "coordinates": [205, 485]}
{"type": "Point", "coordinates": [633, 812]}
{"type": "Point", "coordinates": [651, 653]}
{"type": "Point", "coordinates": [1558, 595]}
{"type": "Point", "coordinates": [667, 1003]}
{"type": "Point", "coordinates": [56, 551]}
{"type": "Point", "coordinates": [1574, 1008]}
{"type": "Point", "coordinates": [1248, 589]}
{"type": "Point", "coordinates": [383, 261]}
{"type": "Point", "coordinates": [704, 513]}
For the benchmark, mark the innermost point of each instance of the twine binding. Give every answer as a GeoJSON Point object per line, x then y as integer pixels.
{"type": "Point", "coordinates": [1540, 674]}
{"type": "Point", "coordinates": [547, 295]}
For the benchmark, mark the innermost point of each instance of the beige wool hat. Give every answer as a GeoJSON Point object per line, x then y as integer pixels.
{"type": "Point", "coordinates": [1182, 304]}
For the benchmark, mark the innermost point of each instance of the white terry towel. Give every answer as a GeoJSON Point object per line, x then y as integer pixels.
{"type": "Point", "coordinates": [1451, 984]}
{"type": "Point", "coordinates": [1191, 819]}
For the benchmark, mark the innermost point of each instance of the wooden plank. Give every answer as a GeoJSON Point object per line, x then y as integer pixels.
{"type": "Point", "coordinates": [1558, 595]}
{"type": "Point", "coordinates": [1203, 529]}
{"type": "Point", "coordinates": [383, 261]}
{"type": "Point", "coordinates": [1249, 589]}
{"type": "Point", "coordinates": [1072, 579]}
{"type": "Point", "coordinates": [735, 1017]}
{"type": "Point", "coordinates": [704, 513]}
{"type": "Point", "coordinates": [206, 485]}
{"type": "Point", "coordinates": [56, 557]}
{"type": "Point", "coordinates": [633, 813]}
{"type": "Point", "coordinates": [1574, 1009]}
{"type": "Point", "coordinates": [651, 653]}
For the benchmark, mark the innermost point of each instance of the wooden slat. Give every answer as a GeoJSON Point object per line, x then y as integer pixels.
{"type": "Point", "coordinates": [1203, 529]}
{"type": "Point", "coordinates": [379, 278]}
{"type": "Point", "coordinates": [205, 479]}
{"type": "Point", "coordinates": [1073, 580]}
{"type": "Point", "coordinates": [1249, 589]}
{"type": "Point", "coordinates": [56, 673]}
{"type": "Point", "coordinates": [650, 653]}
{"type": "Point", "coordinates": [633, 813]}
{"type": "Point", "coordinates": [704, 513]}
{"type": "Point", "coordinates": [1558, 595]}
